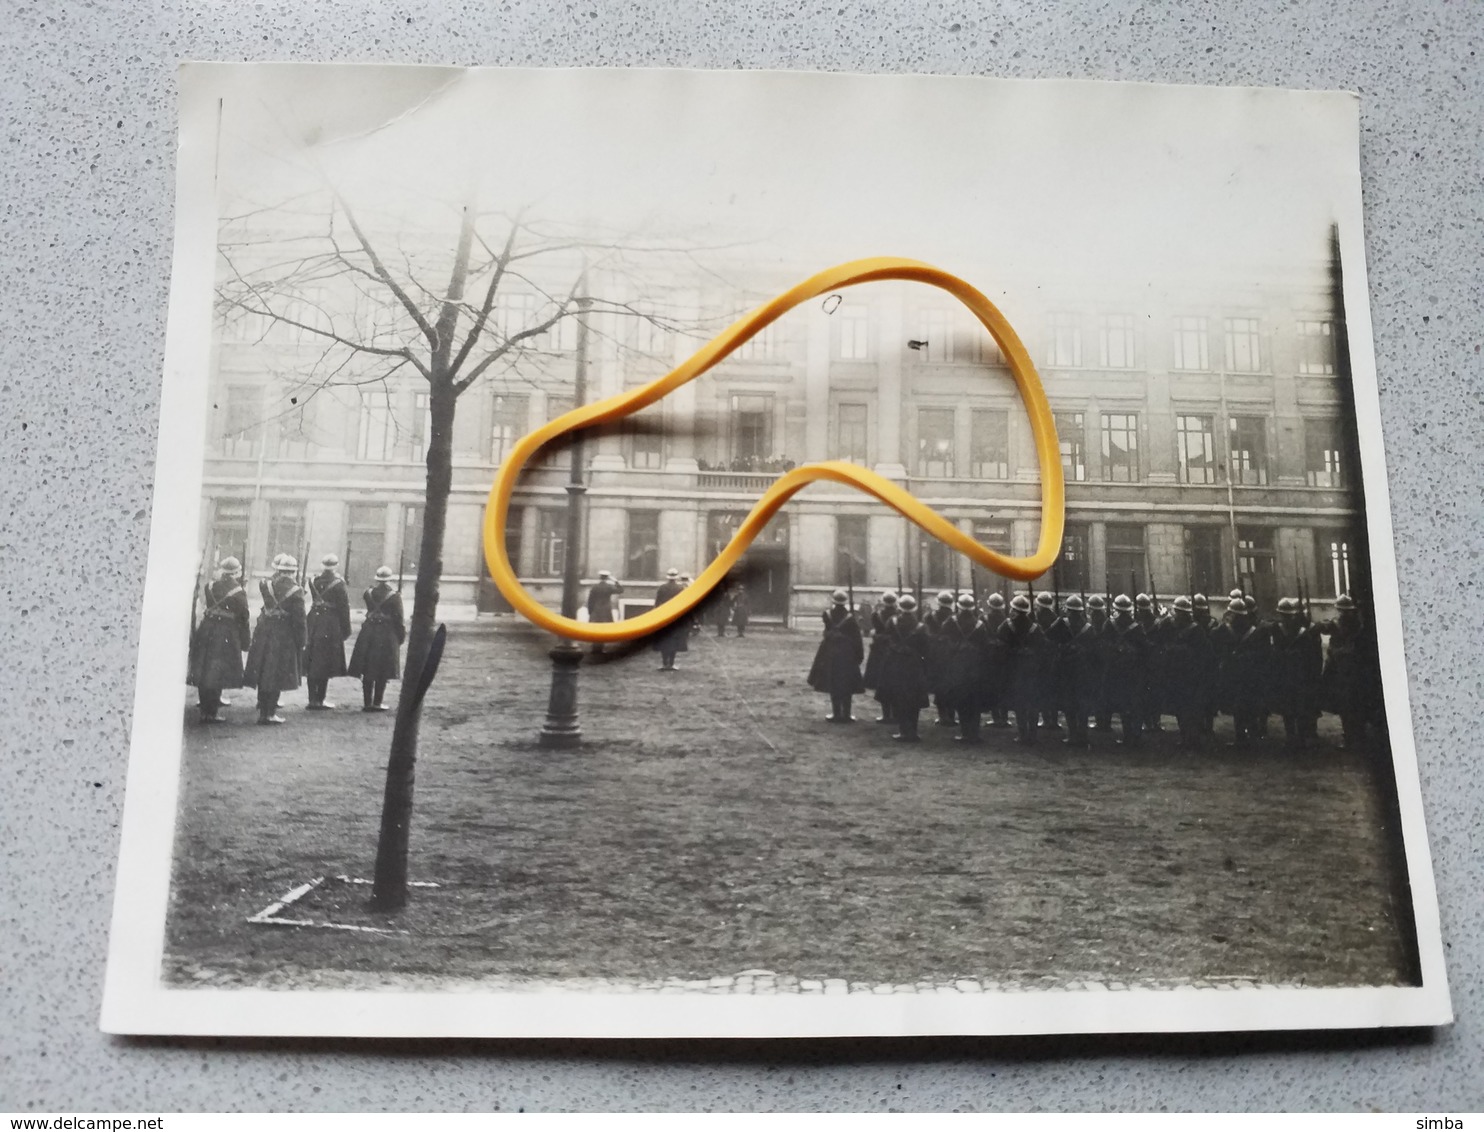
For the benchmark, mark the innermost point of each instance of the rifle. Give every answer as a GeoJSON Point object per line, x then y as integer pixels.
{"type": "Point", "coordinates": [1304, 606]}
{"type": "Point", "coordinates": [1153, 590]}
{"type": "Point", "coordinates": [1056, 589]}
{"type": "Point", "coordinates": [1133, 586]}
{"type": "Point", "coordinates": [850, 581]}
{"type": "Point", "coordinates": [899, 580]}
{"type": "Point", "coordinates": [919, 576]}
{"type": "Point", "coordinates": [200, 585]}
{"type": "Point", "coordinates": [345, 566]}
{"type": "Point", "coordinates": [401, 569]}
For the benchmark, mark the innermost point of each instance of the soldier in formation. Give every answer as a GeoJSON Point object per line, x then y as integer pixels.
{"type": "Point", "coordinates": [1045, 662]}
{"type": "Point", "coordinates": [278, 640]}
{"type": "Point", "coordinates": [220, 639]}
{"type": "Point", "coordinates": [377, 656]}
{"type": "Point", "coordinates": [837, 662]}
{"type": "Point", "coordinates": [328, 628]}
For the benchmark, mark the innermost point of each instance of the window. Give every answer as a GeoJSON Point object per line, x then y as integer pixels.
{"type": "Point", "coordinates": [1064, 348]}
{"type": "Point", "coordinates": [285, 530]}
{"type": "Point", "coordinates": [508, 423]}
{"type": "Point", "coordinates": [295, 439]}
{"type": "Point", "coordinates": [1249, 450]}
{"type": "Point", "coordinates": [722, 525]}
{"type": "Point", "coordinates": [761, 346]}
{"type": "Point", "coordinates": [242, 421]}
{"type": "Point", "coordinates": [1323, 465]}
{"type": "Point", "coordinates": [422, 427]}
{"type": "Point", "coordinates": [1243, 351]}
{"type": "Point", "coordinates": [1116, 341]}
{"type": "Point", "coordinates": [515, 523]}
{"type": "Point", "coordinates": [377, 437]}
{"type": "Point", "coordinates": [561, 336]}
{"type": "Point", "coordinates": [1121, 447]}
{"type": "Point", "coordinates": [644, 434]}
{"type": "Point", "coordinates": [995, 534]}
{"type": "Point", "coordinates": [515, 311]}
{"type": "Point", "coordinates": [1070, 573]}
{"type": "Point", "coordinates": [1334, 564]}
{"type": "Point", "coordinates": [850, 549]}
{"type": "Point", "coordinates": [1316, 347]}
{"type": "Point", "coordinates": [972, 343]}
{"type": "Point", "coordinates": [1125, 558]}
{"type": "Point", "coordinates": [936, 566]}
{"type": "Point", "coordinates": [642, 546]}
{"type": "Point", "coordinates": [1203, 560]}
{"type": "Point", "coordinates": [1072, 438]}
{"type": "Point", "coordinates": [551, 543]}
{"type": "Point", "coordinates": [989, 444]}
{"type": "Point", "coordinates": [557, 453]}
{"type": "Point", "coordinates": [850, 433]}
{"type": "Point", "coordinates": [229, 529]}
{"type": "Point", "coordinates": [654, 339]}
{"type": "Point", "coordinates": [1195, 449]}
{"type": "Point", "coordinates": [935, 442]}
{"type": "Point", "coordinates": [750, 428]}
{"type": "Point", "coordinates": [1256, 565]}
{"type": "Point", "coordinates": [1191, 352]}
{"type": "Point", "coordinates": [936, 336]}
{"type": "Point", "coordinates": [412, 540]}
{"type": "Point", "coordinates": [365, 543]}
{"type": "Point", "coordinates": [853, 333]}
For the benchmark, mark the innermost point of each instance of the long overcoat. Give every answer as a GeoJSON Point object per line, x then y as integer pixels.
{"type": "Point", "coordinates": [278, 638]}
{"type": "Point", "coordinates": [378, 651]}
{"type": "Point", "coordinates": [328, 624]}
{"type": "Point", "coordinates": [674, 637]}
{"type": "Point", "coordinates": [904, 681]}
{"type": "Point", "coordinates": [221, 638]}
{"type": "Point", "coordinates": [837, 662]}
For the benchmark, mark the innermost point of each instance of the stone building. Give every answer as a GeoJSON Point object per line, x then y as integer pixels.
{"type": "Point", "coordinates": [1205, 434]}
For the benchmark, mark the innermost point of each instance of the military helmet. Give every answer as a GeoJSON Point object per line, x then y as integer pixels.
{"type": "Point", "coordinates": [1020, 603]}
{"type": "Point", "coordinates": [330, 561]}
{"type": "Point", "coordinates": [907, 603]}
{"type": "Point", "coordinates": [1045, 600]}
{"type": "Point", "coordinates": [672, 573]}
{"type": "Point", "coordinates": [1144, 601]}
{"type": "Point", "coordinates": [230, 566]}
{"type": "Point", "coordinates": [839, 597]}
{"type": "Point", "coordinates": [383, 573]}
{"type": "Point", "coordinates": [1236, 595]}
{"type": "Point", "coordinates": [605, 573]}
{"type": "Point", "coordinates": [1074, 604]}
{"type": "Point", "coordinates": [285, 564]}
{"type": "Point", "coordinates": [1096, 601]}
{"type": "Point", "coordinates": [997, 600]}
{"type": "Point", "coordinates": [1183, 604]}
{"type": "Point", "coordinates": [1123, 604]}
{"type": "Point", "coordinates": [1288, 605]}
{"type": "Point", "coordinates": [966, 601]}
{"type": "Point", "coordinates": [1344, 603]}
{"type": "Point", "coordinates": [1250, 604]}
{"type": "Point", "coordinates": [945, 598]}
{"type": "Point", "coordinates": [1200, 602]}
{"type": "Point", "coordinates": [888, 598]}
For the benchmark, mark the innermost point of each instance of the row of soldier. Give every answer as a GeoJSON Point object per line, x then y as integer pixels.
{"type": "Point", "coordinates": [299, 636]}
{"type": "Point", "coordinates": [1042, 660]}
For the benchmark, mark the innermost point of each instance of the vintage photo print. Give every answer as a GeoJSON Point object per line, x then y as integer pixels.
{"type": "Point", "coordinates": [865, 788]}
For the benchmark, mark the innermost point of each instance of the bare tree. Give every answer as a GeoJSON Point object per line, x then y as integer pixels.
{"type": "Point", "coordinates": [279, 264]}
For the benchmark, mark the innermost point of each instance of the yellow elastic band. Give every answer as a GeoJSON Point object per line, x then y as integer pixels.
{"type": "Point", "coordinates": [875, 269]}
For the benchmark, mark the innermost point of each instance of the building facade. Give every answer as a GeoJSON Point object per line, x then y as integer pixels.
{"type": "Point", "coordinates": [1205, 434]}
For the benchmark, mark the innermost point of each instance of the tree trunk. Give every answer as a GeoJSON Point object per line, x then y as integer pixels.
{"type": "Point", "coordinates": [389, 893]}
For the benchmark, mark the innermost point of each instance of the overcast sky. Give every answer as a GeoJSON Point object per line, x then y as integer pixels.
{"type": "Point", "coordinates": [1100, 182]}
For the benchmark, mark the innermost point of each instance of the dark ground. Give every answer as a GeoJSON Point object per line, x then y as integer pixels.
{"type": "Point", "coordinates": [715, 823]}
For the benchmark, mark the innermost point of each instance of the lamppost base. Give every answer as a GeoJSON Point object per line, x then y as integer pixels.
{"type": "Point", "coordinates": [562, 728]}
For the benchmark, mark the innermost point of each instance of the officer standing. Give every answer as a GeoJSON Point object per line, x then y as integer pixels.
{"type": "Point", "coordinates": [601, 602]}
{"type": "Point", "coordinates": [278, 639]}
{"type": "Point", "coordinates": [1298, 661]}
{"type": "Point", "coordinates": [741, 609]}
{"type": "Point", "coordinates": [1351, 682]}
{"type": "Point", "coordinates": [220, 640]}
{"type": "Point", "coordinates": [837, 662]}
{"type": "Point", "coordinates": [377, 656]}
{"type": "Point", "coordinates": [674, 637]}
{"type": "Point", "coordinates": [996, 663]}
{"type": "Point", "coordinates": [964, 640]}
{"type": "Point", "coordinates": [328, 630]}
{"type": "Point", "coordinates": [1126, 672]}
{"type": "Point", "coordinates": [881, 617]}
{"type": "Point", "coordinates": [1024, 645]}
{"type": "Point", "coordinates": [1187, 655]}
{"type": "Point", "coordinates": [904, 683]}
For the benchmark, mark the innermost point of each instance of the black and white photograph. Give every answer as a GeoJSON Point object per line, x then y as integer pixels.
{"type": "Point", "coordinates": [866, 786]}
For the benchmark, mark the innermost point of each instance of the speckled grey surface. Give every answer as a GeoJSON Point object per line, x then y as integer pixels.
{"type": "Point", "coordinates": [85, 223]}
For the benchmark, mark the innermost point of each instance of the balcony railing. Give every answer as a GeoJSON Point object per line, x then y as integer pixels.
{"type": "Point", "coordinates": [743, 481]}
